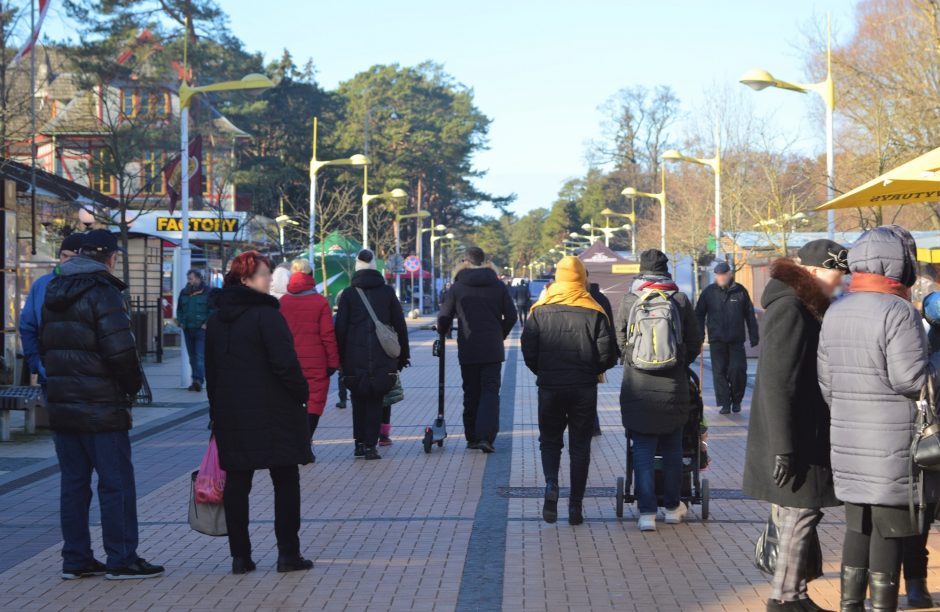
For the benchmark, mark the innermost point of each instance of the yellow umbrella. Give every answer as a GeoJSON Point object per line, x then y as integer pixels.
{"type": "Point", "coordinates": [915, 182]}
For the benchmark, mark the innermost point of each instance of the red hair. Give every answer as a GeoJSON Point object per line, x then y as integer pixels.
{"type": "Point", "coordinates": [244, 266]}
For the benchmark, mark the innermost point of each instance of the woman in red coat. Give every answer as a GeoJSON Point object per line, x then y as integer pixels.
{"type": "Point", "coordinates": [310, 320]}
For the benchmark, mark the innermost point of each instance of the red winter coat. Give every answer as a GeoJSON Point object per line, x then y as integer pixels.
{"type": "Point", "coordinates": [310, 320]}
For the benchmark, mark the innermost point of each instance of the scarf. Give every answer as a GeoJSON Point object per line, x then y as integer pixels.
{"type": "Point", "coordinates": [570, 287]}
{"type": "Point", "coordinates": [876, 283]}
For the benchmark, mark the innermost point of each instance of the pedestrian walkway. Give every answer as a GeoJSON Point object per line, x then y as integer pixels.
{"type": "Point", "coordinates": [452, 530]}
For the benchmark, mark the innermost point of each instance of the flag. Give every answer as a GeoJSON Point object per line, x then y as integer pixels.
{"type": "Point", "coordinates": [34, 36]}
{"type": "Point", "coordinates": [171, 172]}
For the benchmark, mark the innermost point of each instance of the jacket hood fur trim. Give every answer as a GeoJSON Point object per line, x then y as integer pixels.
{"type": "Point", "coordinates": [803, 284]}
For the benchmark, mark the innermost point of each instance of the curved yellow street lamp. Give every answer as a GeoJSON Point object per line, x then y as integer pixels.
{"type": "Point", "coordinates": [394, 194]}
{"type": "Point", "coordinates": [715, 164]}
{"type": "Point", "coordinates": [758, 80]}
{"type": "Point", "coordinates": [397, 227]}
{"type": "Point", "coordinates": [631, 193]}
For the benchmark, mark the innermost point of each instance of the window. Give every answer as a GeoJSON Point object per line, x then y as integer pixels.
{"type": "Point", "coordinates": [98, 177]}
{"type": "Point", "coordinates": [129, 102]}
{"type": "Point", "coordinates": [151, 173]}
{"type": "Point", "coordinates": [135, 102]}
{"type": "Point", "coordinates": [207, 174]}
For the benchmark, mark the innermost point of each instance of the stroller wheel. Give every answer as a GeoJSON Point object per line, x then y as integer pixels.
{"type": "Point", "coordinates": [428, 439]}
{"type": "Point", "coordinates": [704, 499]}
{"type": "Point", "coordinates": [620, 493]}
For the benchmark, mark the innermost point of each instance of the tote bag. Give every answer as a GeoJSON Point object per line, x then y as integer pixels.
{"type": "Point", "coordinates": [205, 518]}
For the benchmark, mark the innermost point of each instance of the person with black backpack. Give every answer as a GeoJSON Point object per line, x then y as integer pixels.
{"type": "Point", "coordinates": [659, 337]}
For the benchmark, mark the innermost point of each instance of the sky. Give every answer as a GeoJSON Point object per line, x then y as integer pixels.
{"type": "Point", "coordinates": [541, 68]}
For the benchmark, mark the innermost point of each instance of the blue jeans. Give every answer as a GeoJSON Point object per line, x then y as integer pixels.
{"type": "Point", "coordinates": [109, 454]}
{"type": "Point", "coordinates": [644, 476]}
{"type": "Point", "coordinates": [196, 347]}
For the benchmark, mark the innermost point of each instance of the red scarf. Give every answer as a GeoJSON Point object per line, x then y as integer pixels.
{"type": "Point", "coordinates": [876, 283]}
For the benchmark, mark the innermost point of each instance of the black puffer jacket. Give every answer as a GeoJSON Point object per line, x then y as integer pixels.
{"type": "Point", "coordinates": [89, 351]}
{"type": "Point", "coordinates": [725, 312]}
{"type": "Point", "coordinates": [567, 346]}
{"type": "Point", "coordinates": [257, 391]}
{"type": "Point", "coordinates": [486, 312]}
{"type": "Point", "coordinates": [367, 370]}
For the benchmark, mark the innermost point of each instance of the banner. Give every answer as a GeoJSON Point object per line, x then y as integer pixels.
{"type": "Point", "coordinates": [172, 173]}
{"type": "Point", "coordinates": [34, 36]}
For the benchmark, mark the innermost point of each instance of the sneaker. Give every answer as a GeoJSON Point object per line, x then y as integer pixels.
{"type": "Point", "coordinates": [736, 407]}
{"type": "Point", "coordinates": [191, 387]}
{"type": "Point", "coordinates": [550, 505]}
{"type": "Point", "coordinates": [675, 516]}
{"type": "Point", "coordinates": [647, 522]}
{"type": "Point", "coordinates": [486, 446]}
{"type": "Point", "coordinates": [137, 570]}
{"type": "Point", "coordinates": [197, 386]}
{"type": "Point", "coordinates": [371, 454]}
{"type": "Point", "coordinates": [725, 410]}
{"type": "Point", "coordinates": [341, 404]}
{"type": "Point", "coordinates": [360, 450]}
{"type": "Point", "coordinates": [92, 568]}
{"type": "Point", "coordinates": [384, 440]}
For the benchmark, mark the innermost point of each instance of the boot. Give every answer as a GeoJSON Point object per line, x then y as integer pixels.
{"type": "Point", "coordinates": [293, 563]}
{"type": "Point", "coordinates": [550, 507]}
{"type": "Point", "coordinates": [884, 591]}
{"type": "Point", "coordinates": [575, 513]}
{"type": "Point", "coordinates": [918, 595]}
{"type": "Point", "coordinates": [360, 450]}
{"type": "Point", "coordinates": [385, 432]}
{"type": "Point", "coordinates": [371, 454]}
{"type": "Point", "coordinates": [242, 565]}
{"type": "Point", "coordinates": [854, 585]}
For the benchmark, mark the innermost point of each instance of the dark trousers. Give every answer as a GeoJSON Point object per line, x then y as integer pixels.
{"type": "Point", "coordinates": [573, 408]}
{"type": "Point", "coordinates": [286, 480]}
{"type": "Point", "coordinates": [796, 530]}
{"type": "Point", "coordinates": [729, 371]}
{"type": "Point", "coordinates": [367, 418]}
{"type": "Point", "coordinates": [481, 400]}
{"type": "Point", "coordinates": [196, 349]}
{"type": "Point", "coordinates": [313, 420]}
{"type": "Point", "coordinates": [341, 387]}
{"type": "Point", "coordinates": [523, 310]}
{"type": "Point", "coordinates": [644, 469]}
{"type": "Point", "coordinates": [869, 549]}
{"type": "Point", "coordinates": [108, 454]}
{"type": "Point", "coordinates": [914, 556]}
{"type": "Point", "coordinates": [386, 415]}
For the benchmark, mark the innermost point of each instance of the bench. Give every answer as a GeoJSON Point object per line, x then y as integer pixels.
{"type": "Point", "coordinates": [24, 398]}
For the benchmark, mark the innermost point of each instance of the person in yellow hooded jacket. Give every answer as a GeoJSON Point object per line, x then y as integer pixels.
{"type": "Point", "coordinates": [568, 344]}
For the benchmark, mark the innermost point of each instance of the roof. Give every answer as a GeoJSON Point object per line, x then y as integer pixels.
{"type": "Point", "coordinates": [51, 185]}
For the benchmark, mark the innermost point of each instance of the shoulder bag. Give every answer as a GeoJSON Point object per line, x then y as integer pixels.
{"type": "Point", "coordinates": [386, 334]}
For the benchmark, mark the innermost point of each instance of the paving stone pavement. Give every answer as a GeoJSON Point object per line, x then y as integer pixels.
{"type": "Point", "coordinates": [453, 530]}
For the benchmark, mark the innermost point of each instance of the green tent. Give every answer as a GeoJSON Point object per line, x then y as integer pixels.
{"type": "Point", "coordinates": [340, 261]}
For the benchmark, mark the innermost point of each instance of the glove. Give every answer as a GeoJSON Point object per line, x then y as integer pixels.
{"type": "Point", "coordinates": [783, 469]}
{"type": "Point", "coordinates": [330, 372]}
{"type": "Point", "coordinates": [404, 364]}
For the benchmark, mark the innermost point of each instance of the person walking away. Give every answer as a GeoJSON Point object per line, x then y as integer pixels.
{"type": "Point", "coordinates": [257, 393]}
{"type": "Point", "coordinates": [310, 321]}
{"type": "Point", "coordinates": [659, 337]}
{"type": "Point", "coordinates": [568, 344]}
{"type": "Point", "coordinates": [31, 315]}
{"type": "Point", "coordinates": [523, 299]}
{"type": "Point", "coordinates": [724, 309]}
{"type": "Point", "coordinates": [873, 364]}
{"type": "Point", "coordinates": [341, 393]}
{"type": "Point", "coordinates": [595, 290]}
{"type": "Point", "coordinates": [486, 314]}
{"type": "Point", "coordinates": [787, 459]}
{"type": "Point", "coordinates": [192, 314]}
{"type": "Point", "coordinates": [369, 373]}
{"type": "Point", "coordinates": [92, 375]}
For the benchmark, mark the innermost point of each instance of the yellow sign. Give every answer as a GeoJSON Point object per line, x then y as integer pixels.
{"type": "Point", "coordinates": [214, 225]}
{"type": "Point", "coordinates": [625, 268]}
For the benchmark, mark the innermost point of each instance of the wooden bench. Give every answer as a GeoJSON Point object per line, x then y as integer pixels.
{"type": "Point", "coordinates": [24, 398]}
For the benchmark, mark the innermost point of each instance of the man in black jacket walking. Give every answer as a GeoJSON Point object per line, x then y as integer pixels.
{"type": "Point", "coordinates": [93, 373]}
{"type": "Point", "coordinates": [487, 314]}
{"type": "Point", "coordinates": [725, 309]}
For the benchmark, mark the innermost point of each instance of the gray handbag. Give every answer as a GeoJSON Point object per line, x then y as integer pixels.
{"type": "Point", "coordinates": [388, 337]}
{"type": "Point", "coordinates": [205, 518]}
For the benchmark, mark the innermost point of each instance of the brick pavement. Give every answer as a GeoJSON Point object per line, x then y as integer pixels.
{"type": "Point", "coordinates": [396, 534]}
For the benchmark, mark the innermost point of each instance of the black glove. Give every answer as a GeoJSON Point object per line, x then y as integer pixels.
{"type": "Point", "coordinates": [330, 372]}
{"type": "Point", "coordinates": [404, 364]}
{"type": "Point", "coordinates": [783, 469]}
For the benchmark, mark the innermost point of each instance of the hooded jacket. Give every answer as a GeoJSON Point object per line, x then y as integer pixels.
{"type": "Point", "coordinates": [30, 320]}
{"type": "Point", "coordinates": [88, 349]}
{"type": "Point", "coordinates": [872, 363]}
{"type": "Point", "coordinates": [788, 413]}
{"type": "Point", "coordinates": [256, 388]}
{"type": "Point", "coordinates": [367, 370]}
{"type": "Point", "coordinates": [310, 320]}
{"type": "Point", "coordinates": [486, 311]}
{"type": "Point", "coordinates": [657, 402]}
{"type": "Point", "coordinates": [725, 312]}
{"type": "Point", "coordinates": [192, 308]}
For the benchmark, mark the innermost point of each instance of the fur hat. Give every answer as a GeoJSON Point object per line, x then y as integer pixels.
{"type": "Point", "coordinates": [654, 261]}
{"type": "Point", "coordinates": [365, 260]}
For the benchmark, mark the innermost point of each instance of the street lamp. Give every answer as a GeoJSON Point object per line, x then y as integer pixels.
{"type": "Point", "coordinates": [434, 228]}
{"type": "Point", "coordinates": [367, 197]}
{"type": "Point", "coordinates": [761, 79]}
{"type": "Point", "coordinates": [315, 166]}
{"type": "Point", "coordinates": [186, 95]}
{"type": "Point", "coordinates": [445, 240]}
{"type": "Point", "coordinates": [630, 192]}
{"type": "Point", "coordinates": [397, 223]}
{"type": "Point", "coordinates": [715, 164]}
{"type": "Point", "coordinates": [607, 230]}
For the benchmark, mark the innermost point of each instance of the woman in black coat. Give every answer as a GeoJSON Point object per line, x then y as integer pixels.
{"type": "Point", "coordinates": [257, 395]}
{"type": "Point", "coordinates": [367, 371]}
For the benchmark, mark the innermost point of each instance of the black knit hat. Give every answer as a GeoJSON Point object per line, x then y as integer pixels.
{"type": "Point", "coordinates": [824, 253]}
{"type": "Point", "coordinates": [654, 261]}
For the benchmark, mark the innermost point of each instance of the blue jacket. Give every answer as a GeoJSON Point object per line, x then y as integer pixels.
{"type": "Point", "coordinates": [30, 320]}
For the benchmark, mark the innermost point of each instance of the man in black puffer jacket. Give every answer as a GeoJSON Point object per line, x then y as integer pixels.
{"type": "Point", "coordinates": [93, 373]}
{"type": "Point", "coordinates": [487, 314]}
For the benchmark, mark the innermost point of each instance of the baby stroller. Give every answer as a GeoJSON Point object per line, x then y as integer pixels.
{"type": "Point", "coordinates": [694, 489]}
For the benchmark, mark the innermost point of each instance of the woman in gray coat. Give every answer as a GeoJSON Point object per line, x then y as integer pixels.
{"type": "Point", "coordinates": [872, 364]}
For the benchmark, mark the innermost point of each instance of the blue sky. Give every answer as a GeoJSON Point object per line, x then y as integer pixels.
{"type": "Point", "coordinates": [540, 69]}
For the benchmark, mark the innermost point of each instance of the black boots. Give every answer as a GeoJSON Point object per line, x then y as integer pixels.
{"type": "Point", "coordinates": [918, 596]}
{"type": "Point", "coordinates": [550, 508]}
{"type": "Point", "coordinates": [884, 591]}
{"type": "Point", "coordinates": [854, 586]}
{"type": "Point", "coordinates": [242, 565]}
{"type": "Point", "coordinates": [293, 564]}
{"type": "Point", "coordinates": [360, 450]}
{"type": "Point", "coordinates": [371, 454]}
{"type": "Point", "coordinates": [575, 513]}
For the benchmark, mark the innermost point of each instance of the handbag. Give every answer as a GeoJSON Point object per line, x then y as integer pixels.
{"type": "Point", "coordinates": [208, 519]}
{"type": "Point", "coordinates": [925, 448]}
{"type": "Point", "coordinates": [767, 549]}
{"type": "Point", "coordinates": [397, 394]}
{"type": "Point", "coordinates": [386, 334]}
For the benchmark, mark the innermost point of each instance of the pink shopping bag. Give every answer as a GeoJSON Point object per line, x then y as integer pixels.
{"type": "Point", "coordinates": [210, 481]}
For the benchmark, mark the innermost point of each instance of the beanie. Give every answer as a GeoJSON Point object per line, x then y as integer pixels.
{"type": "Point", "coordinates": [654, 261]}
{"type": "Point", "coordinates": [570, 270]}
{"type": "Point", "coordinates": [365, 260]}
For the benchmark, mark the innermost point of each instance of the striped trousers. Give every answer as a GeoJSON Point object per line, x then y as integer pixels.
{"type": "Point", "coordinates": [796, 528]}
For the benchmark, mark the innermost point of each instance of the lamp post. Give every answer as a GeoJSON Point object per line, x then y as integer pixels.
{"type": "Point", "coordinates": [397, 223]}
{"type": "Point", "coordinates": [607, 230]}
{"type": "Point", "coordinates": [440, 228]}
{"type": "Point", "coordinates": [761, 79]}
{"type": "Point", "coordinates": [367, 197]}
{"type": "Point", "coordinates": [445, 240]}
{"type": "Point", "coordinates": [630, 192]}
{"type": "Point", "coordinates": [186, 95]}
{"type": "Point", "coordinates": [715, 164]}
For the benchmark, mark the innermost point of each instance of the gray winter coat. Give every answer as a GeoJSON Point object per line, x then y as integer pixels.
{"type": "Point", "coordinates": [872, 364]}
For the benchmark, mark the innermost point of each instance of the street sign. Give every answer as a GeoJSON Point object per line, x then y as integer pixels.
{"type": "Point", "coordinates": [412, 263]}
